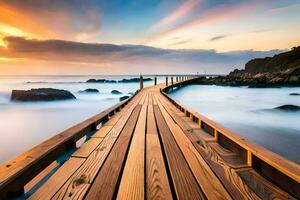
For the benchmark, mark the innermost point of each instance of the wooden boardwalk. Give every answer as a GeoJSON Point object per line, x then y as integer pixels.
{"type": "Point", "coordinates": [150, 149]}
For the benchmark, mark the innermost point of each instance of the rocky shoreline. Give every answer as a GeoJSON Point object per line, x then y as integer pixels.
{"type": "Point", "coordinates": [260, 80]}
{"type": "Point", "coordinates": [282, 70]}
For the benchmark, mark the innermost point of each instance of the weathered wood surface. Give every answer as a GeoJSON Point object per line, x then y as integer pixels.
{"type": "Point", "coordinates": [150, 149]}
{"type": "Point", "coordinates": [157, 182]}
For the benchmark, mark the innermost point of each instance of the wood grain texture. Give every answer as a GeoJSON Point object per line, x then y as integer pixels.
{"type": "Point", "coordinates": [77, 186]}
{"type": "Point", "coordinates": [57, 179]}
{"type": "Point", "coordinates": [40, 176]}
{"type": "Point", "coordinates": [186, 186]}
{"type": "Point", "coordinates": [102, 132]}
{"type": "Point", "coordinates": [87, 148]}
{"type": "Point", "coordinates": [157, 183]}
{"type": "Point", "coordinates": [262, 187]}
{"type": "Point", "coordinates": [213, 188]}
{"type": "Point", "coordinates": [105, 184]}
{"type": "Point", "coordinates": [132, 181]}
{"type": "Point", "coordinates": [228, 176]}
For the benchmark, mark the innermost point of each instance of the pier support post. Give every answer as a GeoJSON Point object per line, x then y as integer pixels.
{"type": "Point", "coordinates": [176, 79]}
{"type": "Point", "coordinates": [172, 80]}
{"type": "Point", "coordinates": [141, 82]}
{"type": "Point", "coordinates": [155, 81]}
{"type": "Point", "coordinates": [166, 81]}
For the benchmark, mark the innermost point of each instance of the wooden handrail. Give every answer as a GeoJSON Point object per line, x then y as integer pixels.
{"type": "Point", "coordinates": [16, 173]}
{"type": "Point", "coordinates": [266, 157]}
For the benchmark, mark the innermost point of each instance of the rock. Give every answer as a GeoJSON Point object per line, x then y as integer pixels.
{"type": "Point", "coordinates": [133, 80]}
{"type": "Point", "coordinates": [123, 98]}
{"type": "Point", "coordinates": [288, 108]}
{"type": "Point", "coordinates": [96, 80]}
{"type": "Point", "coordinates": [293, 79]}
{"type": "Point", "coordinates": [115, 92]}
{"type": "Point", "coordinates": [110, 81]}
{"type": "Point", "coordinates": [294, 94]}
{"type": "Point", "coordinates": [131, 93]}
{"type": "Point", "coordinates": [41, 94]}
{"type": "Point", "coordinates": [89, 90]}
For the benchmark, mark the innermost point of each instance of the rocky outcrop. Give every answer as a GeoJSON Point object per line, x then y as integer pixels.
{"type": "Point", "coordinates": [278, 63]}
{"type": "Point", "coordinates": [96, 80]}
{"type": "Point", "coordinates": [295, 94]}
{"type": "Point", "coordinates": [134, 80]}
{"type": "Point", "coordinates": [124, 98]}
{"type": "Point", "coordinates": [89, 90]}
{"type": "Point", "coordinates": [288, 108]}
{"type": "Point", "coordinates": [116, 92]}
{"type": "Point", "coordinates": [41, 94]}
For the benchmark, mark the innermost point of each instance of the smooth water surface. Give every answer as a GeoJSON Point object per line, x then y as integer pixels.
{"type": "Point", "coordinates": [245, 111]}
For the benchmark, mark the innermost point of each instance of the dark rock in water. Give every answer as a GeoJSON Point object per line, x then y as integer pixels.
{"type": "Point", "coordinates": [131, 93]}
{"type": "Point", "coordinates": [96, 80]}
{"type": "Point", "coordinates": [288, 108]}
{"type": "Point", "coordinates": [294, 94]}
{"type": "Point", "coordinates": [41, 94]}
{"type": "Point", "coordinates": [110, 81]}
{"type": "Point", "coordinates": [116, 92]}
{"type": "Point", "coordinates": [89, 90]}
{"type": "Point", "coordinates": [123, 98]}
{"type": "Point", "coordinates": [134, 80]}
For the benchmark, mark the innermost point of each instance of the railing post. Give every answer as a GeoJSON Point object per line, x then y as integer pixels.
{"type": "Point", "coordinates": [176, 79]}
{"type": "Point", "coordinates": [141, 82]}
{"type": "Point", "coordinates": [166, 81]}
{"type": "Point", "coordinates": [172, 80]}
{"type": "Point", "coordinates": [155, 81]}
{"type": "Point", "coordinates": [249, 158]}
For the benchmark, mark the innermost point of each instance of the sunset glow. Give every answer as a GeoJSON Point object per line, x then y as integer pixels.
{"type": "Point", "coordinates": [176, 27]}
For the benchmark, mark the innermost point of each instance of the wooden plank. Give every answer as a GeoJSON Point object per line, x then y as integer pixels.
{"type": "Point", "coordinates": [77, 186]}
{"type": "Point", "coordinates": [87, 148]}
{"type": "Point", "coordinates": [229, 177]}
{"type": "Point", "coordinates": [157, 182]}
{"type": "Point", "coordinates": [102, 132]}
{"type": "Point", "coordinates": [185, 185]}
{"type": "Point", "coordinates": [107, 179]}
{"type": "Point", "coordinates": [213, 188]}
{"type": "Point", "coordinates": [261, 186]}
{"type": "Point", "coordinates": [40, 176]}
{"type": "Point", "coordinates": [57, 179]}
{"type": "Point", "coordinates": [132, 181]}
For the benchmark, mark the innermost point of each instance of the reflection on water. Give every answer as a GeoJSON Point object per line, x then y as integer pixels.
{"type": "Point", "coordinates": [241, 109]}
{"type": "Point", "coordinates": [24, 125]}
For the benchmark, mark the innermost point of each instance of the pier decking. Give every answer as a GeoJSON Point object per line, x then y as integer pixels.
{"type": "Point", "coordinates": [150, 147]}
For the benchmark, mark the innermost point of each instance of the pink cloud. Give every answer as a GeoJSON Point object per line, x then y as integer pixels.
{"type": "Point", "coordinates": [180, 12]}
{"type": "Point", "coordinates": [214, 15]}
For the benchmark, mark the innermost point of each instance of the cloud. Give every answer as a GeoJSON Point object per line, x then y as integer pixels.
{"type": "Point", "coordinates": [52, 18]}
{"type": "Point", "coordinates": [126, 57]}
{"type": "Point", "coordinates": [180, 12]}
{"type": "Point", "coordinates": [219, 37]}
{"type": "Point", "coordinates": [212, 15]}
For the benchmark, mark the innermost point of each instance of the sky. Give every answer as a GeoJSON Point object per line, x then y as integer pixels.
{"type": "Point", "coordinates": [73, 37]}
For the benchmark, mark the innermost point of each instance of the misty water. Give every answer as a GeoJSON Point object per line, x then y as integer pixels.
{"type": "Point", "coordinates": [246, 111]}
{"type": "Point", "coordinates": [24, 125]}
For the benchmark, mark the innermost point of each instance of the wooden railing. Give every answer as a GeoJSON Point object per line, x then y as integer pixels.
{"type": "Point", "coordinates": [15, 174]}
{"type": "Point", "coordinates": [282, 172]}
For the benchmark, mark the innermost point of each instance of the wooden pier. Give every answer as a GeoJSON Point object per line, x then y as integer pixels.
{"type": "Point", "coordinates": [150, 147]}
